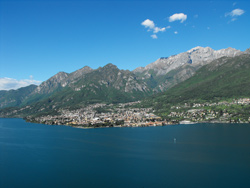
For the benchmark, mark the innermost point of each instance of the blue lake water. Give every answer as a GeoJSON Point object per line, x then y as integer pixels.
{"type": "Point", "coordinates": [199, 155]}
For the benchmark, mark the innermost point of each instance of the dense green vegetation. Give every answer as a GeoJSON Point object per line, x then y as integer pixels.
{"type": "Point", "coordinates": [15, 97]}
{"type": "Point", "coordinates": [225, 78]}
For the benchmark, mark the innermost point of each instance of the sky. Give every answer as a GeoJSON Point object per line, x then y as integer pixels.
{"type": "Point", "coordinates": [40, 38]}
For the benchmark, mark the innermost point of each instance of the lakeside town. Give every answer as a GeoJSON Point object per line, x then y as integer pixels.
{"type": "Point", "coordinates": [103, 115]}
{"type": "Point", "coordinates": [127, 115]}
{"type": "Point", "coordinates": [234, 111]}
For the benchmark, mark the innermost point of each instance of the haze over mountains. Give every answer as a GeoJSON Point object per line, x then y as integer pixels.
{"type": "Point", "coordinates": [112, 85]}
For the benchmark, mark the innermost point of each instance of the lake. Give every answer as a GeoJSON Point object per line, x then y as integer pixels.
{"type": "Point", "coordinates": [198, 155]}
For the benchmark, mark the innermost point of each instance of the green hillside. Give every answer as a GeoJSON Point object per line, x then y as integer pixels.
{"type": "Point", "coordinates": [107, 84]}
{"type": "Point", "coordinates": [15, 97]}
{"type": "Point", "coordinates": [224, 78]}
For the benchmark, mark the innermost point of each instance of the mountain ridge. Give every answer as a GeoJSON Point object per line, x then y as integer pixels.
{"type": "Point", "coordinates": [196, 56]}
{"type": "Point", "coordinates": [222, 79]}
{"type": "Point", "coordinates": [110, 84]}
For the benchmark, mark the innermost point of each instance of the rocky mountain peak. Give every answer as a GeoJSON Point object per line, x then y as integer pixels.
{"type": "Point", "coordinates": [138, 69]}
{"type": "Point", "coordinates": [228, 52]}
{"type": "Point", "coordinates": [197, 56]}
{"type": "Point", "coordinates": [56, 78]}
{"type": "Point", "coordinates": [202, 50]}
{"type": "Point", "coordinates": [60, 75]}
{"type": "Point", "coordinates": [86, 68]}
{"type": "Point", "coordinates": [247, 51]}
{"type": "Point", "coordinates": [80, 72]}
{"type": "Point", "coordinates": [110, 65]}
{"type": "Point", "coordinates": [52, 83]}
{"type": "Point", "coordinates": [198, 48]}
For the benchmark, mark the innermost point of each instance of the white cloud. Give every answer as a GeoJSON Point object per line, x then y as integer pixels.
{"type": "Point", "coordinates": [154, 36]}
{"type": "Point", "coordinates": [157, 29]}
{"type": "Point", "coordinates": [11, 83]}
{"type": "Point", "coordinates": [151, 27]}
{"type": "Point", "coordinates": [176, 32]}
{"type": "Point", "coordinates": [148, 24]}
{"type": "Point", "coordinates": [235, 13]}
{"type": "Point", "coordinates": [179, 16]}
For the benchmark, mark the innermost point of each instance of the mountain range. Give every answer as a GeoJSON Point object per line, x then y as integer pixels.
{"type": "Point", "coordinates": [168, 71]}
{"type": "Point", "coordinates": [222, 79]}
{"type": "Point", "coordinates": [111, 85]}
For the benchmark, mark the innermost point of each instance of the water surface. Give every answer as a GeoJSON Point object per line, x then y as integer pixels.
{"type": "Point", "coordinates": [199, 155]}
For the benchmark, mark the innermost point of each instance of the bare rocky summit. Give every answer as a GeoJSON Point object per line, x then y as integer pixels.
{"type": "Point", "coordinates": [166, 72]}
{"type": "Point", "coordinates": [51, 84]}
{"type": "Point", "coordinates": [196, 57]}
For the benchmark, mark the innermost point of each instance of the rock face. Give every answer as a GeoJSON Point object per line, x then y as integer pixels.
{"type": "Point", "coordinates": [167, 72]}
{"type": "Point", "coordinates": [75, 76]}
{"type": "Point", "coordinates": [247, 51]}
{"type": "Point", "coordinates": [61, 79]}
{"type": "Point", "coordinates": [51, 84]}
{"type": "Point", "coordinates": [196, 57]}
{"type": "Point", "coordinates": [110, 77]}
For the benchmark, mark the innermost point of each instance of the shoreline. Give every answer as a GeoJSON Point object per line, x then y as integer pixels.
{"type": "Point", "coordinates": [184, 122]}
{"type": "Point", "coordinates": [138, 125]}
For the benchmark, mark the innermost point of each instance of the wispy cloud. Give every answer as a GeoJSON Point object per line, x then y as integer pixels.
{"type": "Point", "coordinates": [151, 27]}
{"type": "Point", "coordinates": [157, 29]}
{"type": "Point", "coordinates": [235, 13]}
{"type": "Point", "coordinates": [11, 83]}
{"type": "Point", "coordinates": [178, 16]}
{"type": "Point", "coordinates": [176, 32]}
{"type": "Point", "coordinates": [154, 36]}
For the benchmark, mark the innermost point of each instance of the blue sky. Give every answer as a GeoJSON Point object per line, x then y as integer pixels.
{"type": "Point", "coordinates": [40, 38]}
